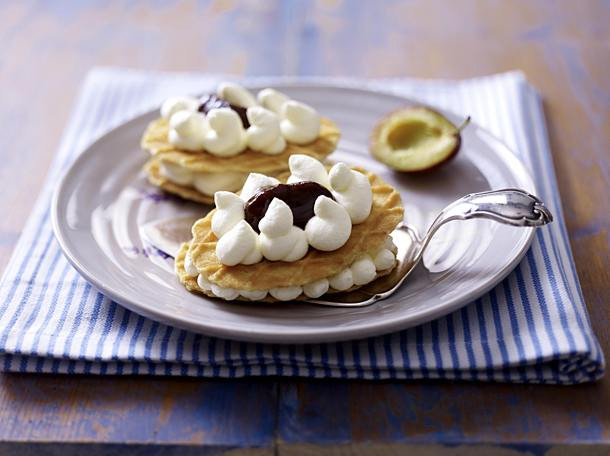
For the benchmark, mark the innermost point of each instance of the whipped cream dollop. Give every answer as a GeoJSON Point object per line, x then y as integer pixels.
{"type": "Point", "coordinates": [300, 122]}
{"type": "Point", "coordinates": [174, 104]}
{"type": "Point", "coordinates": [264, 133]}
{"type": "Point", "coordinates": [225, 293]}
{"type": "Point", "coordinates": [190, 267]}
{"type": "Point", "coordinates": [352, 190]}
{"type": "Point", "coordinates": [206, 183]}
{"type": "Point", "coordinates": [342, 281]}
{"type": "Point", "coordinates": [210, 183]}
{"type": "Point", "coordinates": [316, 289]}
{"type": "Point", "coordinates": [330, 227]}
{"type": "Point", "coordinates": [279, 238]}
{"type": "Point", "coordinates": [254, 183]}
{"type": "Point", "coordinates": [239, 245]}
{"type": "Point", "coordinates": [304, 168]}
{"type": "Point", "coordinates": [272, 100]}
{"type": "Point", "coordinates": [176, 173]}
{"type": "Point", "coordinates": [187, 130]}
{"type": "Point", "coordinates": [236, 94]}
{"type": "Point", "coordinates": [274, 119]}
{"type": "Point", "coordinates": [229, 212]}
{"type": "Point", "coordinates": [384, 259]}
{"type": "Point", "coordinates": [286, 293]}
{"type": "Point", "coordinates": [362, 271]}
{"type": "Point", "coordinates": [365, 268]}
{"type": "Point", "coordinates": [254, 295]}
{"type": "Point", "coordinates": [225, 136]}
{"type": "Point", "coordinates": [202, 282]}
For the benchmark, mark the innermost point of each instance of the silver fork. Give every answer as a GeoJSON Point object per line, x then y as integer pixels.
{"type": "Point", "coordinates": [510, 206]}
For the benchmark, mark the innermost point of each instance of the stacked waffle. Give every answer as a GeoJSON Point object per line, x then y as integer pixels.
{"type": "Point", "coordinates": [200, 146]}
{"type": "Point", "coordinates": [365, 255]}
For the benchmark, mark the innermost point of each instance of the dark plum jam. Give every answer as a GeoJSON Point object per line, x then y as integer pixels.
{"type": "Point", "coordinates": [300, 197]}
{"type": "Point", "coordinates": [212, 101]}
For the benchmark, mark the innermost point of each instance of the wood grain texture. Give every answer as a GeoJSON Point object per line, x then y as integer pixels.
{"type": "Point", "coordinates": [562, 46]}
{"type": "Point", "coordinates": [133, 410]}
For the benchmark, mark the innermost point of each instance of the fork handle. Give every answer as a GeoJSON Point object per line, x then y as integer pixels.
{"type": "Point", "coordinates": [511, 206]}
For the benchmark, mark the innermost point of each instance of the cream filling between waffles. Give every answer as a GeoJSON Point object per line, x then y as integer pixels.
{"type": "Point", "coordinates": [280, 240]}
{"type": "Point", "coordinates": [206, 183]}
{"type": "Point", "coordinates": [361, 272]}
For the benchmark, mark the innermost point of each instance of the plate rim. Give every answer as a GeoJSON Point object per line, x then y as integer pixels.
{"type": "Point", "coordinates": [326, 334]}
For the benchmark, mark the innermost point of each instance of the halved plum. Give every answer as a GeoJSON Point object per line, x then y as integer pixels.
{"type": "Point", "coordinates": [416, 139]}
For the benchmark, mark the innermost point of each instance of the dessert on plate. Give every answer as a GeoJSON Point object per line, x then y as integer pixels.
{"type": "Point", "coordinates": [321, 230]}
{"type": "Point", "coordinates": [201, 146]}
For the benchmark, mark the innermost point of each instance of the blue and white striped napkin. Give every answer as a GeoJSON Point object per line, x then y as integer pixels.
{"type": "Point", "coordinates": [533, 327]}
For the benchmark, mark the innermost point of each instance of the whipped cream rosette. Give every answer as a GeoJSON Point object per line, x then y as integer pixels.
{"type": "Point", "coordinates": [201, 146]}
{"type": "Point", "coordinates": [325, 230]}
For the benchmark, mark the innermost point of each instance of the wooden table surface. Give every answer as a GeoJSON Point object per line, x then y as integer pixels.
{"type": "Point", "coordinates": [562, 46]}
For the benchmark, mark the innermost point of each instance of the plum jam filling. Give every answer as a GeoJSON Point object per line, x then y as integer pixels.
{"type": "Point", "coordinates": [212, 101]}
{"type": "Point", "coordinates": [300, 197]}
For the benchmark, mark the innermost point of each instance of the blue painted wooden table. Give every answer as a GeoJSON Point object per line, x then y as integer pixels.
{"type": "Point", "coordinates": [563, 47]}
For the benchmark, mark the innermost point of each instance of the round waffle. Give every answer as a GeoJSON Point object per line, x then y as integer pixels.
{"type": "Point", "coordinates": [190, 283]}
{"type": "Point", "coordinates": [366, 237]}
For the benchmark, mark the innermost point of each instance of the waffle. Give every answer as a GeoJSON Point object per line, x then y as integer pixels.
{"type": "Point", "coordinates": [155, 141]}
{"type": "Point", "coordinates": [366, 237]}
{"type": "Point", "coordinates": [190, 283]}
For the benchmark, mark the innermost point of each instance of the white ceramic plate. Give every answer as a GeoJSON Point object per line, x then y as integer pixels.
{"type": "Point", "coordinates": [104, 198]}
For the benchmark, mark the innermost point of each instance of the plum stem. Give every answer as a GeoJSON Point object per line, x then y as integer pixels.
{"type": "Point", "coordinates": [464, 124]}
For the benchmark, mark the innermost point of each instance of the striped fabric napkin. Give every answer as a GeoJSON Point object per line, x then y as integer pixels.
{"type": "Point", "coordinates": [533, 327]}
